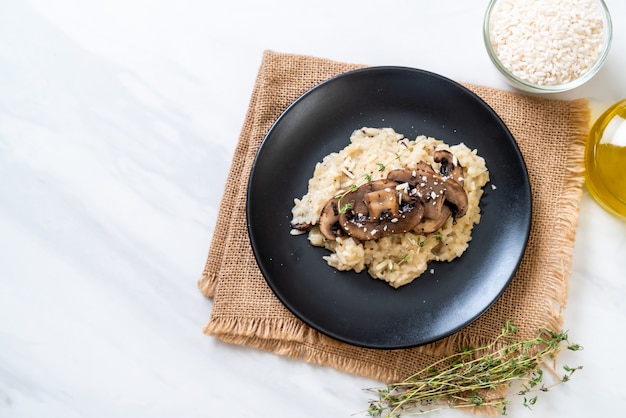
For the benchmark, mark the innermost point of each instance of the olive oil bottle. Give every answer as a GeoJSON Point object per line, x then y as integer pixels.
{"type": "Point", "coordinates": [605, 160]}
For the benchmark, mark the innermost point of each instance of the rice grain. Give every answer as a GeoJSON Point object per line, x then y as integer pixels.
{"type": "Point", "coordinates": [547, 42]}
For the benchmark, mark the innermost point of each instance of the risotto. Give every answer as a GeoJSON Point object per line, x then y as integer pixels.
{"type": "Point", "coordinates": [390, 205]}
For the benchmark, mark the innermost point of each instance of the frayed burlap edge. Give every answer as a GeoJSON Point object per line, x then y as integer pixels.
{"type": "Point", "coordinates": [572, 195]}
{"type": "Point", "coordinates": [303, 343]}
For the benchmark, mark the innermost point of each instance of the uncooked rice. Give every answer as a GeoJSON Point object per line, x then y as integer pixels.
{"type": "Point", "coordinates": [398, 259]}
{"type": "Point", "coordinates": [547, 42]}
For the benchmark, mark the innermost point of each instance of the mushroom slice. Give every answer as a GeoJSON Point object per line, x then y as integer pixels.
{"type": "Point", "coordinates": [429, 188]}
{"type": "Point", "coordinates": [427, 225]}
{"type": "Point", "coordinates": [433, 188]}
{"type": "Point", "coordinates": [450, 167]}
{"type": "Point", "coordinates": [364, 225]}
{"type": "Point", "coordinates": [451, 172]}
{"type": "Point", "coordinates": [414, 177]}
{"type": "Point", "coordinates": [301, 227]}
{"type": "Point", "coordinates": [404, 176]}
{"type": "Point", "coordinates": [455, 195]}
{"type": "Point", "coordinates": [434, 200]}
{"type": "Point", "coordinates": [382, 203]}
{"type": "Point", "coordinates": [355, 200]}
{"type": "Point", "coordinates": [329, 220]}
{"type": "Point", "coordinates": [424, 167]}
{"type": "Point", "coordinates": [371, 228]}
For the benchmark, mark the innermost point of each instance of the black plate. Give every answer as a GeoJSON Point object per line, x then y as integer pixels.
{"type": "Point", "coordinates": [355, 308]}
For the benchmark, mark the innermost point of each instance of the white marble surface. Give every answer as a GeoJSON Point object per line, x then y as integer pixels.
{"type": "Point", "coordinates": [118, 120]}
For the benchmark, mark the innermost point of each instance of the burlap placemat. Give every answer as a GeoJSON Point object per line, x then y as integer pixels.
{"type": "Point", "coordinates": [550, 134]}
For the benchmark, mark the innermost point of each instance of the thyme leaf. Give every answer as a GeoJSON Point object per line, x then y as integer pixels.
{"type": "Point", "coordinates": [345, 208]}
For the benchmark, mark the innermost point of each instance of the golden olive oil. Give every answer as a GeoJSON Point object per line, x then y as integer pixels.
{"type": "Point", "coordinates": [605, 160]}
{"type": "Point", "coordinates": [612, 168]}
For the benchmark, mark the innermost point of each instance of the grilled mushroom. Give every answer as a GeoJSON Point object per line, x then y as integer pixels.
{"type": "Point", "coordinates": [456, 196]}
{"type": "Point", "coordinates": [418, 200]}
{"type": "Point", "coordinates": [441, 193]}
{"type": "Point", "coordinates": [450, 167]}
{"type": "Point", "coordinates": [430, 225]}
{"type": "Point", "coordinates": [427, 186]}
{"type": "Point", "coordinates": [329, 220]}
{"type": "Point", "coordinates": [378, 209]}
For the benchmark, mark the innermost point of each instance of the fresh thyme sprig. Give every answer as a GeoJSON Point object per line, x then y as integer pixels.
{"type": "Point", "coordinates": [475, 378]}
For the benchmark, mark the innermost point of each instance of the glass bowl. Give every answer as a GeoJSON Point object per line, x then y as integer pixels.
{"type": "Point", "coordinates": [527, 58]}
{"type": "Point", "coordinates": [605, 159]}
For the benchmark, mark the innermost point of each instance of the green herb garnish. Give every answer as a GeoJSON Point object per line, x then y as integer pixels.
{"type": "Point", "coordinates": [345, 208]}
